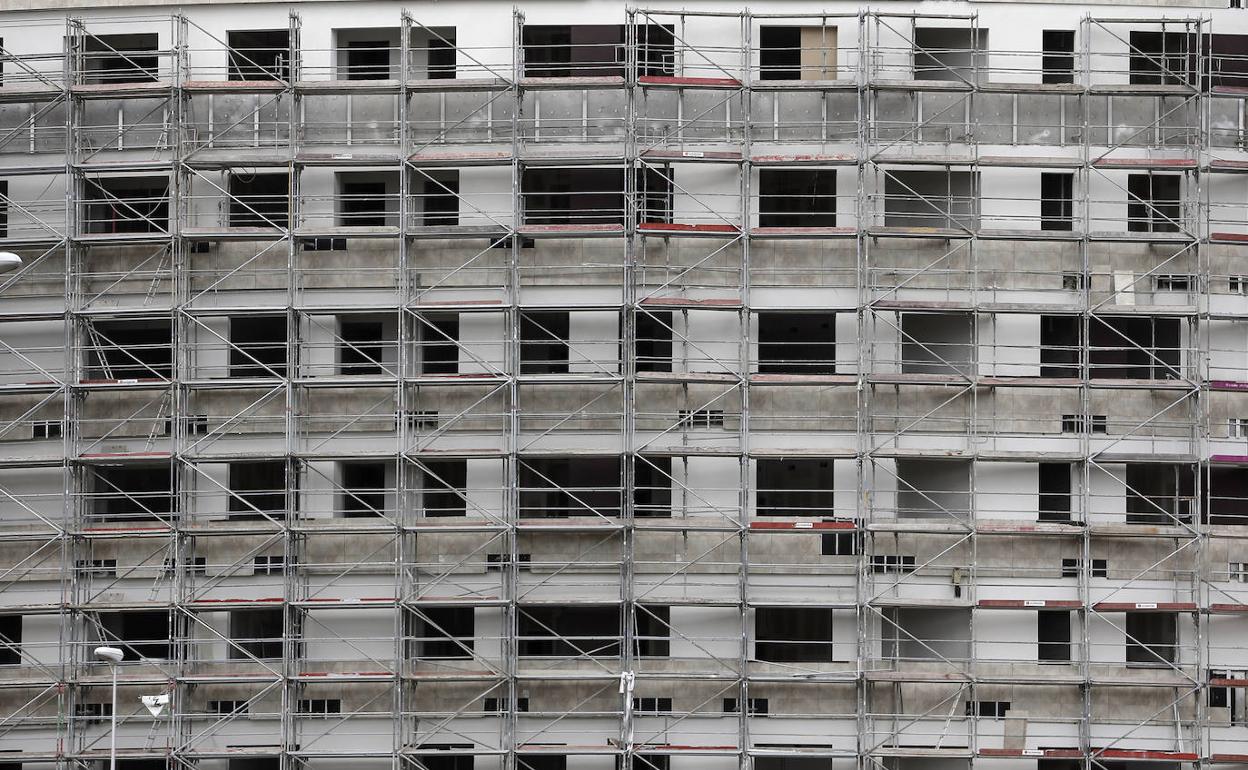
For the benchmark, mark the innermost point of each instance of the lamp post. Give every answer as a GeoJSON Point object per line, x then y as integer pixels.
{"type": "Point", "coordinates": [112, 656]}
{"type": "Point", "coordinates": [9, 262]}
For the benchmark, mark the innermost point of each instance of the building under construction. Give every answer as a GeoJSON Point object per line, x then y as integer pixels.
{"type": "Point", "coordinates": [582, 387]}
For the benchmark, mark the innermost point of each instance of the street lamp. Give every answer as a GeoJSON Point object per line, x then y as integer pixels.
{"type": "Point", "coordinates": [9, 262]}
{"type": "Point", "coordinates": [112, 656]}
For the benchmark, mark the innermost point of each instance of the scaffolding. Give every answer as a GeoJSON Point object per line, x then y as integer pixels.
{"type": "Point", "coordinates": [428, 475]}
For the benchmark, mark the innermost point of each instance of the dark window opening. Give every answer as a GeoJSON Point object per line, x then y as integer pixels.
{"type": "Point", "coordinates": [794, 487]}
{"type": "Point", "coordinates": [4, 197]}
{"type": "Point", "coordinates": [362, 347]}
{"type": "Point", "coordinates": [1152, 637]}
{"type": "Point", "coordinates": [438, 335]}
{"type": "Point", "coordinates": [1153, 203]}
{"type": "Point", "coordinates": [840, 544]}
{"type": "Point", "coordinates": [1122, 347]}
{"type": "Point", "coordinates": [796, 197]}
{"type": "Point", "coordinates": [596, 50]}
{"type": "Point", "coordinates": [647, 705]}
{"type": "Point", "coordinates": [257, 490]}
{"type": "Point", "coordinates": [10, 640]}
{"type": "Point", "coordinates": [125, 205]}
{"type": "Point", "coordinates": [652, 487]}
{"type": "Point", "coordinates": [652, 638]}
{"type": "Point", "coordinates": [437, 203]}
{"type": "Point", "coordinates": [1162, 58]}
{"type": "Point", "coordinates": [948, 53]}
{"type": "Point", "coordinates": [1055, 490]}
{"type": "Point", "coordinates": [441, 56]}
{"type": "Point", "coordinates": [757, 706]}
{"type": "Point", "coordinates": [133, 493]}
{"type": "Point", "coordinates": [445, 760]}
{"type": "Point", "coordinates": [259, 54]}
{"type": "Point", "coordinates": [268, 565]}
{"type": "Point", "coordinates": [1059, 56]}
{"type": "Point", "coordinates": [541, 762]}
{"type": "Point", "coordinates": [592, 196]}
{"type": "Point", "coordinates": [257, 633]}
{"type": "Point", "coordinates": [544, 342]}
{"type": "Point", "coordinates": [796, 343]}
{"type": "Point", "coordinates": [443, 486]}
{"type": "Point", "coordinates": [255, 763]}
{"type": "Point", "coordinates": [502, 706]}
{"type": "Point", "coordinates": [368, 59]}
{"type": "Point", "coordinates": [1160, 494]}
{"type": "Point", "coordinates": [780, 53]}
{"type": "Point", "coordinates": [365, 485]}
{"type": "Point", "coordinates": [1228, 60]}
{"type": "Point", "coordinates": [569, 631]}
{"type": "Point", "coordinates": [362, 203]}
{"type": "Point", "coordinates": [258, 346]}
{"type": "Point", "coordinates": [649, 761]}
{"type": "Point", "coordinates": [938, 343]}
{"type": "Point", "coordinates": [793, 635]}
{"type": "Point", "coordinates": [991, 709]}
{"type": "Point", "coordinates": [940, 199]}
{"type": "Point", "coordinates": [1226, 500]}
{"type": "Point", "coordinates": [1053, 635]}
{"type": "Point", "coordinates": [314, 706]}
{"type": "Point", "coordinates": [125, 58]}
{"type": "Point", "coordinates": [653, 340]}
{"type": "Point", "coordinates": [259, 200]}
{"type": "Point", "coordinates": [125, 350]}
{"type": "Point", "coordinates": [1071, 567]}
{"type": "Point", "coordinates": [1057, 201]}
{"type": "Point", "coordinates": [445, 633]}
{"type": "Point", "coordinates": [886, 563]}
{"type": "Point", "coordinates": [558, 487]}
{"type": "Point", "coordinates": [138, 634]}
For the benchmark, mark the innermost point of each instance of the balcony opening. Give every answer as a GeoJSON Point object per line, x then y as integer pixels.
{"type": "Point", "coordinates": [568, 632]}
{"type": "Point", "coordinates": [258, 346]}
{"type": "Point", "coordinates": [1055, 492]}
{"type": "Point", "coordinates": [1152, 637]}
{"type": "Point", "coordinates": [1058, 62]}
{"type": "Point", "coordinates": [933, 489]}
{"type": "Point", "coordinates": [940, 199]}
{"type": "Point", "coordinates": [444, 633]}
{"type": "Point", "coordinates": [257, 490]}
{"type": "Point", "coordinates": [793, 634]}
{"type": "Point", "coordinates": [433, 53]}
{"type": "Point", "coordinates": [259, 54]}
{"type": "Point", "coordinates": [362, 346]}
{"type": "Point", "coordinates": [124, 58]}
{"type": "Point", "coordinates": [1122, 347]}
{"type": "Point", "coordinates": [938, 343]}
{"type": "Point", "coordinates": [129, 350]}
{"type": "Point", "coordinates": [1053, 635]}
{"type": "Point", "coordinates": [438, 336]}
{"type": "Point", "coordinates": [652, 487]}
{"type": "Point", "coordinates": [1153, 203]}
{"type": "Point", "coordinates": [436, 201]}
{"type": "Point", "coordinates": [920, 633]}
{"type": "Point", "coordinates": [947, 53]}
{"type": "Point", "coordinates": [259, 200]}
{"type": "Point", "coordinates": [1227, 497]}
{"type": "Point", "coordinates": [796, 197]}
{"type": "Point", "coordinates": [256, 633]}
{"type": "Point", "coordinates": [797, 53]}
{"type": "Point", "coordinates": [653, 340]}
{"type": "Point", "coordinates": [368, 199]}
{"type": "Point", "coordinates": [594, 50]}
{"type": "Point", "coordinates": [10, 634]}
{"type": "Point", "coordinates": [443, 486]}
{"type": "Point", "coordinates": [140, 635]}
{"type": "Point", "coordinates": [368, 54]}
{"type": "Point", "coordinates": [1162, 58]}
{"type": "Point", "coordinates": [1057, 201]}
{"type": "Point", "coordinates": [1163, 495]}
{"type": "Point", "coordinates": [559, 487]}
{"type": "Point", "coordinates": [133, 493]}
{"type": "Point", "coordinates": [445, 759]}
{"type": "Point", "coordinates": [794, 487]}
{"type": "Point", "coordinates": [544, 342]}
{"type": "Point", "coordinates": [796, 343]}
{"type": "Point", "coordinates": [541, 762]}
{"type": "Point", "coordinates": [364, 485]}
{"type": "Point", "coordinates": [119, 205]}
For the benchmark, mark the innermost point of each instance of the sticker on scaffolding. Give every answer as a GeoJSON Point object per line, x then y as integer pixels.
{"type": "Point", "coordinates": [155, 703]}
